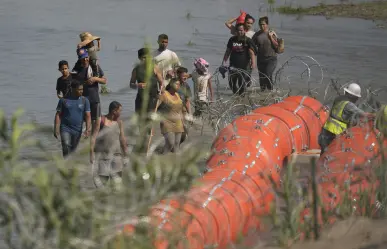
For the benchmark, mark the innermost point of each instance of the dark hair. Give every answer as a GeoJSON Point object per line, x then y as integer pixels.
{"type": "Point", "coordinates": [143, 51]}
{"type": "Point", "coordinates": [248, 16]}
{"type": "Point", "coordinates": [75, 83]}
{"type": "Point", "coordinates": [163, 37]}
{"type": "Point", "coordinates": [62, 63]}
{"type": "Point", "coordinates": [173, 81]}
{"type": "Point", "coordinates": [265, 19]}
{"type": "Point", "coordinates": [239, 25]}
{"type": "Point", "coordinates": [181, 70]}
{"type": "Point", "coordinates": [114, 105]}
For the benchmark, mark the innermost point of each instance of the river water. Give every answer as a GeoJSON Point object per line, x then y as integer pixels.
{"type": "Point", "coordinates": [36, 34]}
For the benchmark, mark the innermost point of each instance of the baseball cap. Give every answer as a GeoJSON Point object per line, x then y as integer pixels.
{"type": "Point", "coordinates": [82, 53]}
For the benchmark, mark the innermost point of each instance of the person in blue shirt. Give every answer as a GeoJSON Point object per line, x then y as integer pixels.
{"type": "Point", "coordinates": [70, 114]}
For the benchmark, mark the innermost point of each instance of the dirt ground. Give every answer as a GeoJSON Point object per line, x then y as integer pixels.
{"type": "Point", "coordinates": [354, 233]}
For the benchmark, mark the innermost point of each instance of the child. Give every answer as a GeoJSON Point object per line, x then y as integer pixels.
{"type": "Point", "coordinates": [87, 40]}
{"type": "Point", "coordinates": [185, 94]}
{"type": "Point", "coordinates": [63, 83]}
{"type": "Point", "coordinates": [202, 83]}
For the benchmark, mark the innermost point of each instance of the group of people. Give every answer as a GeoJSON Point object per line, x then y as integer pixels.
{"type": "Point", "coordinates": [165, 91]}
{"type": "Point", "coordinates": [248, 50]}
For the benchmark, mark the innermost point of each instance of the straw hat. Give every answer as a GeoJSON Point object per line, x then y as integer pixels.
{"type": "Point", "coordinates": [88, 36]}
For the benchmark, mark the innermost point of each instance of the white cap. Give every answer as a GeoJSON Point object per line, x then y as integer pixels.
{"type": "Point", "coordinates": [353, 89]}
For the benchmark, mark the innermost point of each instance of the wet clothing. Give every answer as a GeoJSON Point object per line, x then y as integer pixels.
{"type": "Point", "coordinates": [63, 86]}
{"type": "Point", "coordinates": [344, 113]}
{"type": "Point", "coordinates": [91, 92]}
{"type": "Point", "coordinates": [166, 60]}
{"type": "Point", "coordinates": [172, 142]}
{"type": "Point", "coordinates": [153, 89]}
{"type": "Point", "coordinates": [69, 141]}
{"type": "Point", "coordinates": [108, 150]}
{"type": "Point", "coordinates": [240, 55]}
{"type": "Point", "coordinates": [72, 111]}
{"type": "Point", "coordinates": [266, 59]}
{"type": "Point", "coordinates": [171, 109]}
{"type": "Point", "coordinates": [185, 94]}
{"type": "Point", "coordinates": [238, 81]}
{"type": "Point", "coordinates": [266, 69]}
{"type": "Point", "coordinates": [240, 58]}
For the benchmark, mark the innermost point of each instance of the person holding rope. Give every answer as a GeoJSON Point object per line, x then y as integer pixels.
{"type": "Point", "coordinates": [241, 51]}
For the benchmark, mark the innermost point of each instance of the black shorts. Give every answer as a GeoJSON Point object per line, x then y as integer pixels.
{"type": "Point", "coordinates": [95, 111]}
{"type": "Point", "coordinates": [152, 102]}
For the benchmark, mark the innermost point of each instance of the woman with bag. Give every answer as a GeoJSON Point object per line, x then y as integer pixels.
{"type": "Point", "coordinates": [268, 46]}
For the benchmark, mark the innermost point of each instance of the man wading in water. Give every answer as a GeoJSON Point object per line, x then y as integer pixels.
{"type": "Point", "coordinates": [110, 149]}
{"type": "Point", "coordinates": [241, 51]}
{"type": "Point", "coordinates": [70, 113]}
{"type": "Point", "coordinates": [266, 42]}
{"type": "Point", "coordinates": [138, 80]}
{"type": "Point", "coordinates": [91, 80]}
{"type": "Point", "coordinates": [166, 59]}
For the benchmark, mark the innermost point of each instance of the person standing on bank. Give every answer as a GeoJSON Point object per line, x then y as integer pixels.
{"type": "Point", "coordinates": [91, 80]}
{"type": "Point", "coordinates": [241, 51]}
{"type": "Point", "coordinates": [70, 113]}
{"type": "Point", "coordinates": [267, 44]}
{"type": "Point", "coordinates": [110, 149]}
{"type": "Point", "coordinates": [166, 59]}
{"type": "Point", "coordinates": [344, 113]}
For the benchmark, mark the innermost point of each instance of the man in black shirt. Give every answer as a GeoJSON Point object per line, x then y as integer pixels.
{"type": "Point", "coordinates": [91, 82]}
{"type": "Point", "coordinates": [241, 51]}
{"type": "Point", "coordinates": [63, 84]}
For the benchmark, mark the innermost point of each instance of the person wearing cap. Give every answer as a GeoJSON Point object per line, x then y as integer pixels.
{"type": "Point", "coordinates": [344, 113]}
{"type": "Point", "coordinates": [91, 80]}
{"type": "Point", "coordinates": [87, 41]}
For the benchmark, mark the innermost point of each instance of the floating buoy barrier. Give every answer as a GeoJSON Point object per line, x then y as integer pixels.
{"type": "Point", "coordinates": [248, 154]}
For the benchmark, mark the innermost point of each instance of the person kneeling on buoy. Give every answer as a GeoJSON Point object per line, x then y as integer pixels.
{"type": "Point", "coordinates": [344, 113]}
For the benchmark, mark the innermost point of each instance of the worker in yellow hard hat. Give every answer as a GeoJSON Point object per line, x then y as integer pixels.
{"type": "Point", "coordinates": [344, 113]}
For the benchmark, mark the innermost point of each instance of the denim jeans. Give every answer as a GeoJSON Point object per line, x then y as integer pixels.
{"type": "Point", "coordinates": [266, 69]}
{"type": "Point", "coordinates": [69, 141]}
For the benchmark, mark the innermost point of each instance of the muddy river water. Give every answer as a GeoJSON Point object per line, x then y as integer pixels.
{"type": "Point", "coordinates": [35, 35]}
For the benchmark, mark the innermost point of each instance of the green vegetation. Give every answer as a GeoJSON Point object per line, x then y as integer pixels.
{"type": "Point", "coordinates": [367, 10]}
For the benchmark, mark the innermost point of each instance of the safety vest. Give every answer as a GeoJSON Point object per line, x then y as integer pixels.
{"type": "Point", "coordinates": [335, 123]}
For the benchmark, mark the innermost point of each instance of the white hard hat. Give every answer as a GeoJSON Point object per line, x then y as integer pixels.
{"type": "Point", "coordinates": [353, 89]}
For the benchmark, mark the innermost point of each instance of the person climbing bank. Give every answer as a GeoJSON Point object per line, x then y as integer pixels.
{"type": "Point", "coordinates": [344, 113]}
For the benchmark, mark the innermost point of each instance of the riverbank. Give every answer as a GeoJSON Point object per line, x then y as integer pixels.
{"type": "Point", "coordinates": [368, 10]}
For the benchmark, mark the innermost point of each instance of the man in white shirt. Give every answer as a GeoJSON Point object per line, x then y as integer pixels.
{"type": "Point", "coordinates": [165, 59]}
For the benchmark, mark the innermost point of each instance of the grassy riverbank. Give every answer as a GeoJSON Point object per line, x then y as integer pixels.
{"type": "Point", "coordinates": [369, 10]}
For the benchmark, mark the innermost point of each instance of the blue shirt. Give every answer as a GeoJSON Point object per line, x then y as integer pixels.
{"type": "Point", "coordinates": [72, 111]}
